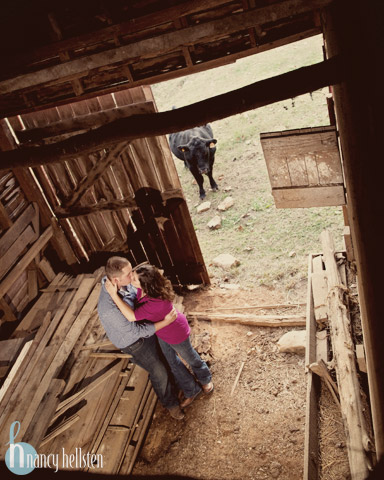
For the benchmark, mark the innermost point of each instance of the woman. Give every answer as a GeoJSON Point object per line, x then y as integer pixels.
{"type": "Point", "coordinates": [154, 301]}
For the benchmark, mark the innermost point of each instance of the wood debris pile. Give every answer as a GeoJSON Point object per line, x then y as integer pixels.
{"type": "Point", "coordinates": [329, 334]}
{"type": "Point", "coordinates": [68, 387]}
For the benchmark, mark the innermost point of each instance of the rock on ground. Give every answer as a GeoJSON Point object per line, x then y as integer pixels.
{"type": "Point", "coordinates": [203, 207]}
{"type": "Point", "coordinates": [292, 342]}
{"type": "Point", "coordinates": [225, 204]}
{"type": "Point", "coordinates": [215, 223]}
{"type": "Point", "coordinates": [225, 260]}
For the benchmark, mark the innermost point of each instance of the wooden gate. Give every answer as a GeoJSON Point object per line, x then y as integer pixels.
{"type": "Point", "coordinates": [126, 198]}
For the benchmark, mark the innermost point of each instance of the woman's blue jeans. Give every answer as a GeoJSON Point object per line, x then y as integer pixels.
{"type": "Point", "coordinates": [182, 375]}
{"type": "Point", "coordinates": [145, 353]}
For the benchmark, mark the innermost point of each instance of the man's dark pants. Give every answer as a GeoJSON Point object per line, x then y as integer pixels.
{"type": "Point", "coordinates": [146, 353]}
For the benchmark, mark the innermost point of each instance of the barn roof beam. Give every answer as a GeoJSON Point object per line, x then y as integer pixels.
{"type": "Point", "coordinates": [132, 26]}
{"type": "Point", "coordinates": [259, 94]}
{"type": "Point", "coordinates": [155, 46]}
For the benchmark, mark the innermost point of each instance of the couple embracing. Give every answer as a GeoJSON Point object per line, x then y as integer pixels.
{"type": "Point", "coordinates": [135, 308]}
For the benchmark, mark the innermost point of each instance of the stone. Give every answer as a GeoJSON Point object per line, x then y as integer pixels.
{"type": "Point", "coordinates": [225, 204]}
{"type": "Point", "coordinates": [275, 469]}
{"type": "Point", "coordinates": [214, 223]}
{"type": "Point", "coordinates": [230, 286]}
{"type": "Point", "coordinates": [225, 260]}
{"type": "Point", "coordinates": [293, 342]}
{"type": "Point", "coordinates": [203, 207]}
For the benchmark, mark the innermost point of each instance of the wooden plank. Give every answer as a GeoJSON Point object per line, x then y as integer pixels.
{"type": "Point", "coordinates": [51, 358]}
{"type": "Point", "coordinates": [9, 349]}
{"type": "Point", "coordinates": [76, 397]}
{"type": "Point", "coordinates": [43, 413]}
{"type": "Point", "coordinates": [320, 294]}
{"type": "Point", "coordinates": [5, 221]}
{"type": "Point", "coordinates": [318, 264]}
{"type": "Point", "coordinates": [33, 287]}
{"type": "Point", "coordinates": [25, 261]}
{"type": "Point", "coordinates": [138, 437]}
{"type": "Point", "coordinates": [109, 410]}
{"type": "Point", "coordinates": [360, 357]}
{"type": "Point", "coordinates": [311, 441]}
{"type": "Point", "coordinates": [322, 350]}
{"type": "Point", "coordinates": [14, 371]}
{"type": "Point", "coordinates": [20, 376]}
{"type": "Point", "coordinates": [65, 348]}
{"type": "Point", "coordinates": [119, 29]}
{"type": "Point", "coordinates": [65, 425]}
{"type": "Point", "coordinates": [297, 169]}
{"type": "Point", "coordinates": [358, 441]}
{"type": "Point", "coordinates": [247, 98]}
{"type": "Point", "coordinates": [46, 269]}
{"type": "Point", "coordinates": [126, 417]}
{"type": "Point", "coordinates": [20, 243]}
{"type": "Point", "coordinates": [29, 215]}
{"type": "Point", "coordinates": [321, 370]}
{"type": "Point", "coordinates": [257, 320]}
{"type": "Point", "coordinates": [93, 174]}
{"type": "Point", "coordinates": [8, 314]}
{"type": "Point", "coordinates": [82, 122]}
{"type": "Point", "coordinates": [45, 303]}
{"type": "Point", "coordinates": [348, 243]}
{"type": "Point", "coordinates": [311, 169]}
{"type": "Point", "coordinates": [153, 47]}
{"type": "Point", "coordinates": [309, 197]}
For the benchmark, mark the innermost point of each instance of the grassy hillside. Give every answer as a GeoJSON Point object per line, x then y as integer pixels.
{"type": "Point", "coordinates": [271, 244]}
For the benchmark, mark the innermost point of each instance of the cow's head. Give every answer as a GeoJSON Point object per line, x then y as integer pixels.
{"type": "Point", "coordinates": [198, 152]}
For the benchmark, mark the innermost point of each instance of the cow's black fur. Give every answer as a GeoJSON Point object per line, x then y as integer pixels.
{"type": "Point", "coordinates": [196, 147]}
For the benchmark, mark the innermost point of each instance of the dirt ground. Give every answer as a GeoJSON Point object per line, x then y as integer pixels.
{"type": "Point", "coordinates": [258, 432]}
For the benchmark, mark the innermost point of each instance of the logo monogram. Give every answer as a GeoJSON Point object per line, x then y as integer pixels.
{"type": "Point", "coordinates": [20, 457]}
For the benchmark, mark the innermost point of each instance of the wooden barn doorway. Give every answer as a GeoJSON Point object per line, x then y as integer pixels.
{"type": "Point", "coordinates": [126, 198]}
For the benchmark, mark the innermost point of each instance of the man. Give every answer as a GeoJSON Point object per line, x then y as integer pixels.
{"type": "Point", "coordinates": [136, 338]}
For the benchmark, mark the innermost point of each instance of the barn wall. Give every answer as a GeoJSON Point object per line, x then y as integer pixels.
{"type": "Point", "coordinates": [126, 198]}
{"type": "Point", "coordinates": [359, 105]}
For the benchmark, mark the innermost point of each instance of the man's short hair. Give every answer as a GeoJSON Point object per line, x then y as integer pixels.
{"type": "Point", "coordinates": [115, 266]}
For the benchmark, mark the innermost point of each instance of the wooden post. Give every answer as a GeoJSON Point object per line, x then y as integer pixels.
{"type": "Point", "coordinates": [358, 441]}
{"type": "Point", "coordinates": [359, 106]}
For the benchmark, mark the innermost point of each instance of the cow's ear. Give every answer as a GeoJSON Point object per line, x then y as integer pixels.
{"type": "Point", "coordinates": [211, 143]}
{"type": "Point", "coordinates": [183, 148]}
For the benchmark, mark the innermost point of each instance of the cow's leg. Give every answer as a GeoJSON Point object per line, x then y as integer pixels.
{"type": "Point", "coordinates": [212, 182]}
{"type": "Point", "coordinates": [200, 180]}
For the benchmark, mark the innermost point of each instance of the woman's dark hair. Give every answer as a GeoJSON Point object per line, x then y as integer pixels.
{"type": "Point", "coordinates": [154, 283]}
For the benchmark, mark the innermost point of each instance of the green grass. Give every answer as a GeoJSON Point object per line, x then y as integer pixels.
{"type": "Point", "coordinates": [262, 237]}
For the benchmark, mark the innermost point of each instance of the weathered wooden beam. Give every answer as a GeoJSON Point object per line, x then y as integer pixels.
{"type": "Point", "coordinates": [162, 44]}
{"type": "Point", "coordinates": [253, 96]}
{"type": "Point", "coordinates": [110, 206]}
{"type": "Point", "coordinates": [121, 29]}
{"type": "Point", "coordinates": [22, 264]}
{"type": "Point", "coordinates": [256, 320]}
{"type": "Point", "coordinates": [358, 441]}
{"type": "Point", "coordinates": [96, 172]}
{"type": "Point", "coordinates": [102, 206]}
{"type": "Point", "coordinates": [361, 139]}
{"type": "Point", "coordinates": [83, 122]}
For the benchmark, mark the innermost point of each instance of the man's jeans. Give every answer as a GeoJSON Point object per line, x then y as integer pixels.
{"type": "Point", "coordinates": [183, 377]}
{"type": "Point", "coordinates": [145, 353]}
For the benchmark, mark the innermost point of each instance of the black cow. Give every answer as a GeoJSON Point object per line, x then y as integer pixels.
{"type": "Point", "coordinates": [196, 147]}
